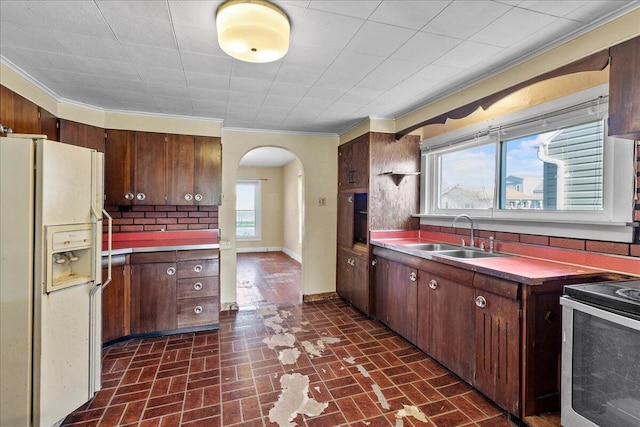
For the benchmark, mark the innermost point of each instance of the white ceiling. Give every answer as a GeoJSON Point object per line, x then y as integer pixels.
{"type": "Point", "coordinates": [348, 60]}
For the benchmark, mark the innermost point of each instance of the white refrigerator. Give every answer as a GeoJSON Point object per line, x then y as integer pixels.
{"type": "Point", "coordinates": [50, 279]}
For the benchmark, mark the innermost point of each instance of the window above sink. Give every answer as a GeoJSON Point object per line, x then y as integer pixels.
{"type": "Point", "coordinates": [548, 170]}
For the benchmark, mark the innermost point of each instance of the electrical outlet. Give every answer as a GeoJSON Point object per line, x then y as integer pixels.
{"type": "Point", "coordinates": [322, 201]}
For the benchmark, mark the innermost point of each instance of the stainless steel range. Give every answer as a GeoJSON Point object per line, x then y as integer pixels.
{"type": "Point", "coordinates": [601, 354]}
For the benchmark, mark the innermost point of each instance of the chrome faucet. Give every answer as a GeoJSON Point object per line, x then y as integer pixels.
{"type": "Point", "coordinates": [472, 242]}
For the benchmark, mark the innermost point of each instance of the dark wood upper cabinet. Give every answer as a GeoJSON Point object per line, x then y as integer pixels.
{"type": "Point", "coordinates": [146, 168]}
{"type": "Point", "coordinates": [624, 90]}
{"type": "Point", "coordinates": [49, 125]}
{"type": "Point", "coordinates": [18, 113]}
{"type": "Point", "coordinates": [82, 135]}
{"type": "Point", "coordinates": [118, 169]}
{"type": "Point", "coordinates": [180, 169]}
{"type": "Point", "coordinates": [149, 168]}
{"type": "Point", "coordinates": [194, 167]}
{"type": "Point", "coordinates": [208, 170]}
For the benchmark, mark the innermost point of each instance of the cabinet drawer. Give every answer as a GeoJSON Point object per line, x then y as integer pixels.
{"type": "Point", "coordinates": [197, 287]}
{"type": "Point", "coordinates": [198, 268]}
{"type": "Point", "coordinates": [198, 311]}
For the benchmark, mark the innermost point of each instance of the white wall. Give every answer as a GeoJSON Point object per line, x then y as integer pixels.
{"type": "Point", "coordinates": [318, 157]}
{"type": "Point", "coordinates": [292, 173]}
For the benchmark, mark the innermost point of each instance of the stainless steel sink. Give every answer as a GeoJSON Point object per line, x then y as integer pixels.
{"type": "Point", "coordinates": [432, 246]}
{"type": "Point", "coordinates": [469, 254]}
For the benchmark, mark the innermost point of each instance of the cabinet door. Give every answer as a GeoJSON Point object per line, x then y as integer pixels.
{"type": "Point", "coordinates": [118, 171]}
{"type": "Point", "coordinates": [150, 168]}
{"type": "Point", "coordinates": [451, 324]}
{"type": "Point", "coordinates": [180, 169]}
{"type": "Point", "coordinates": [380, 288]}
{"type": "Point", "coordinates": [345, 154]}
{"type": "Point", "coordinates": [624, 89]}
{"type": "Point", "coordinates": [360, 163]}
{"type": "Point", "coordinates": [401, 303]}
{"type": "Point", "coordinates": [360, 284]}
{"type": "Point", "coordinates": [115, 304]}
{"type": "Point", "coordinates": [345, 219]}
{"type": "Point", "coordinates": [344, 274]}
{"type": "Point", "coordinates": [207, 170]}
{"type": "Point", "coordinates": [497, 327]}
{"type": "Point", "coordinates": [153, 297]}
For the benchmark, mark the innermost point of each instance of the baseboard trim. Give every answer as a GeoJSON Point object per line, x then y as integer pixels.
{"type": "Point", "coordinates": [293, 255]}
{"type": "Point", "coordinates": [260, 249]}
{"type": "Point", "coordinates": [319, 297]}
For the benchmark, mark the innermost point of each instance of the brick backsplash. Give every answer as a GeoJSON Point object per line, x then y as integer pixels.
{"type": "Point", "coordinates": [612, 248]}
{"type": "Point", "coordinates": [161, 217]}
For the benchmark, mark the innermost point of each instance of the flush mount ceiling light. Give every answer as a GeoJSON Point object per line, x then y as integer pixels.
{"type": "Point", "coordinates": [252, 30]}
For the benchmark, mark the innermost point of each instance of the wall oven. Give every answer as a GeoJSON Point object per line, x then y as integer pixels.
{"type": "Point", "coordinates": [601, 355]}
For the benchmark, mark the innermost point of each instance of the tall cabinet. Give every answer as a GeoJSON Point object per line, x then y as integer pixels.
{"type": "Point", "coordinates": [378, 189]}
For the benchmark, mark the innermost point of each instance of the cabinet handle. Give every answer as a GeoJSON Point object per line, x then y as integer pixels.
{"type": "Point", "coordinates": [129, 196]}
{"type": "Point", "coordinates": [197, 309]}
{"type": "Point", "coordinates": [141, 196]}
{"type": "Point", "coordinates": [171, 271]}
{"type": "Point", "coordinates": [481, 302]}
{"type": "Point", "coordinates": [188, 197]}
{"type": "Point", "coordinates": [374, 262]}
{"type": "Point", "coordinates": [433, 283]}
{"type": "Point", "coordinates": [413, 276]}
{"type": "Point", "coordinates": [197, 286]}
{"type": "Point", "coordinates": [350, 199]}
{"type": "Point", "coordinates": [199, 197]}
{"type": "Point", "coordinates": [197, 268]}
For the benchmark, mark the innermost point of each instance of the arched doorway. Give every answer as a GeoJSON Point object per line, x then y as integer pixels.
{"type": "Point", "coordinates": [269, 228]}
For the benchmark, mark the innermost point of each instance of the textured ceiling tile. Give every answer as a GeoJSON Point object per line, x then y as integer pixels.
{"type": "Point", "coordinates": [144, 31]}
{"type": "Point", "coordinates": [207, 81]}
{"type": "Point", "coordinates": [74, 17]}
{"type": "Point", "coordinates": [467, 54]}
{"type": "Point", "coordinates": [310, 56]}
{"type": "Point", "coordinates": [198, 40]}
{"type": "Point", "coordinates": [555, 8]}
{"type": "Point", "coordinates": [297, 75]}
{"type": "Point", "coordinates": [355, 8]}
{"type": "Point", "coordinates": [153, 56]}
{"type": "Point", "coordinates": [327, 29]}
{"type": "Point", "coordinates": [462, 19]}
{"type": "Point", "coordinates": [374, 38]}
{"type": "Point", "coordinates": [266, 71]}
{"type": "Point", "coordinates": [242, 84]}
{"type": "Point", "coordinates": [208, 64]}
{"type": "Point", "coordinates": [91, 47]}
{"type": "Point", "coordinates": [408, 14]}
{"type": "Point", "coordinates": [157, 10]}
{"type": "Point", "coordinates": [286, 89]}
{"type": "Point", "coordinates": [38, 38]}
{"type": "Point", "coordinates": [512, 27]}
{"type": "Point", "coordinates": [165, 76]}
{"type": "Point", "coordinates": [425, 47]}
{"type": "Point", "coordinates": [194, 13]}
{"type": "Point", "coordinates": [114, 69]}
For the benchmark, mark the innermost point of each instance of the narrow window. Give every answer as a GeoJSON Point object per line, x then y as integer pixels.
{"type": "Point", "coordinates": [248, 203]}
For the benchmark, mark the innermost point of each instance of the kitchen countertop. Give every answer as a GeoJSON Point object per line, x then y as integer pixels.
{"type": "Point", "coordinates": [518, 268]}
{"type": "Point", "coordinates": [154, 241]}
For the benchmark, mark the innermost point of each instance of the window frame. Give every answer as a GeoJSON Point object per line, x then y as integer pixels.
{"type": "Point", "coordinates": [613, 223]}
{"type": "Point", "coordinates": [257, 183]}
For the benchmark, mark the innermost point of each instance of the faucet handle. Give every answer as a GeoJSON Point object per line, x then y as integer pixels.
{"type": "Point", "coordinates": [482, 246]}
{"type": "Point", "coordinates": [462, 242]}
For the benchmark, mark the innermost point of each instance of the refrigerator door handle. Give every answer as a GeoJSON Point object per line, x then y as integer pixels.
{"type": "Point", "coordinates": [109, 246]}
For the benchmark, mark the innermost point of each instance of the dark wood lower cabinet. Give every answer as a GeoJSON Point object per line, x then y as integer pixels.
{"type": "Point", "coordinates": [153, 297]}
{"type": "Point", "coordinates": [396, 297]}
{"type": "Point", "coordinates": [497, 349]}
{"type": "Point", "coordinates": [502, 337]}
{"type": "Point", "coordinates": [115, 301]}
{"type": "Point", "coordinates": [161, 292]}
{"type": "Point", "coordinates": [445, 317]}
{"type": "Point", "coordinates": [352, 282]}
